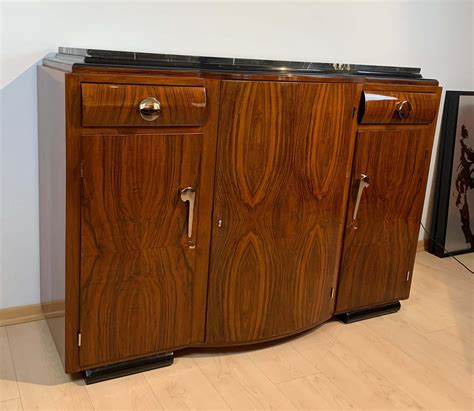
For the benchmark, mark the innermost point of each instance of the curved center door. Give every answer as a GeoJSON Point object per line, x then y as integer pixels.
{"type": "Point", "coordinates": [283, 167]}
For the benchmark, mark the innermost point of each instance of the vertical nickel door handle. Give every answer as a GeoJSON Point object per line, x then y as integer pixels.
{"type": "Point", "coordinates": [188, 194]}
{"type": "Point", "coordinates": [363, 183]}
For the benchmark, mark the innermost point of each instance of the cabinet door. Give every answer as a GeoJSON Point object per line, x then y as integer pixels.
{"type": "Point", "coordinates": [283, 167]}
{"type": "Point", "coordinates": [137, 271]}
{"type": "Point", "coordinates": [380, 244]}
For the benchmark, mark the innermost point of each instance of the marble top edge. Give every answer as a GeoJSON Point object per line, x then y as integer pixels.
{"type": "Point", "coordinates": [126, 58]}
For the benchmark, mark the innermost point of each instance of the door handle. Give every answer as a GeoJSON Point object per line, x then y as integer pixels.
{"type": "Point", "coordinates": [363, 183]}
{"type": "Point", "coordinates": [188, 194]}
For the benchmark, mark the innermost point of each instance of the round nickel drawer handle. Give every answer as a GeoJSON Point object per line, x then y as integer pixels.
{"type": "Point", "coordinates": [404, 109]}
{"type": "Point", "coordinates": [150, 109]}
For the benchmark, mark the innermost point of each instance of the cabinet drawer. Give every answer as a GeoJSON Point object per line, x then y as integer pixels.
{"type": "Point", "coordinates": [386, 107]}
{"type": "Point", "coordinates": [142, 105]}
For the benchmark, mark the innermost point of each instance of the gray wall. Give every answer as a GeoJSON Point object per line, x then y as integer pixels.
{"type": "Point", "coordinates": [19, 272]}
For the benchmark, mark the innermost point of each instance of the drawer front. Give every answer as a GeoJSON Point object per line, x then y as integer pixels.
{"type": "Point", "coordinates": [142, 105]}
{"type": "Point", "coordinates": [386, 107]}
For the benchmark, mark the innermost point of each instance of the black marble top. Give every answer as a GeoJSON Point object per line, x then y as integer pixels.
{"type": "Point", "coordinates": [67, 57]}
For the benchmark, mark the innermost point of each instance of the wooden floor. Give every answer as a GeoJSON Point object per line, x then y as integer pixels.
{"type": "Point", "coordinates": [419, 358]}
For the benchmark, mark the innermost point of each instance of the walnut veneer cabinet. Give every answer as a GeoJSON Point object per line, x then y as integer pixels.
{"type": "Point", "coordinates": [190, 201]}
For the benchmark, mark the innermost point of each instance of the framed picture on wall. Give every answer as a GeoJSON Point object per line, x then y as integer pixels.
{"type": "Point", "coordinates": [453, 222]}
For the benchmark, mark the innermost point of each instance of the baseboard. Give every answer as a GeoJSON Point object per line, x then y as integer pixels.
{"type": "Point", "coordinates": [33, 312]}
{"type": "Point", "coordinates": [422, 246]}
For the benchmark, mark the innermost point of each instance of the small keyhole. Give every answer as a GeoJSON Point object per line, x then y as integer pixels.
{"type": "Point", "coordinates": [219, 223]}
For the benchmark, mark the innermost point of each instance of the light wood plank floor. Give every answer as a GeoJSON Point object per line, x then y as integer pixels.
{"type": "Point", "coordinates": [419, 358]}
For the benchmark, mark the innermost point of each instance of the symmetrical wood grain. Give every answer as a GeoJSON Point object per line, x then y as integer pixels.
{"type": "Point", "coordinates": [136, 270]}
{"type": "Point", "coordinates": [286, 144]}
{"type": "Point", "coordinates": [381, 107]}
{"type": "Point", "coordinates": [380, 246]}
{"type": "Point", "coordinates": [118, 105]}
{"type": "Point", "coordinates": [420, 358]}
{"type": "Point", "coordinates": [284, 156]}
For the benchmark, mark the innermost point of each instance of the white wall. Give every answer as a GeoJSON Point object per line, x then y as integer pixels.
{"type": "Point", "coordinates": [436, 36]}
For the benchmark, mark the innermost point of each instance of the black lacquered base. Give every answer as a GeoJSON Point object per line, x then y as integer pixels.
{"type": "Point", "coordinates": [126, 368]}
{"type": "Point", "coordinates": [358, 315]}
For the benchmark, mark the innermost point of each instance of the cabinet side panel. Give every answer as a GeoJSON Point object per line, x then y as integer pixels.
{"type": "Point", "coordinates": [52, 199]}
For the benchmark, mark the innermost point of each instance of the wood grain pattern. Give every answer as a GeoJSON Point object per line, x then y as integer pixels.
{"type": "Point", "coordinates": [362, 385]}
{"type": "Point", "coordinates": [284, 158]}
{"type": "Point", "coordinates": [184, 387]}
{"type": "Point", "coordinates": [139, 77]}
{"type": "Point", "coordinates": [127, 393]}
{"type": "Point", "coordinates": [381, 251]}
{"type": "Point", "coordinates": [204, 223]}
{"type": "Point", "coordinates": [381, 107]}
{"type": "Point", "coordinates": [188, 76]}
{"type": "Point", "coordinates": [401, 86]}
{"type": "Point", "coordinates": [434, 368]}
{"type": "Point", "coordinates": [73, 225]}
{"type": "Point", "coordinates": [348, 377]}
{"type": "Point", "coordinates": [136, 271]}
{"type": "Point", "coordinates": [284, 155]}
{"type": "Point", "coordinates": [282, 363]}
{"type": "Point", "coordinates": [242, 384]}
{"type": "Point", "coordinates": [118, 105]}
{"type": "Point", "coordinates": [193, 77]}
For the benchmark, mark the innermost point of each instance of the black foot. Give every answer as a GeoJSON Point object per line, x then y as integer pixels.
{"type": "Point", "coordinates": [121, 369]}
{"type": "Point", "coordinates": [358, 315]}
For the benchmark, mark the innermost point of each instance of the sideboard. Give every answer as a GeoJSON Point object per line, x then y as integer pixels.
{"type": "Point", "coordinates": [195, 201]}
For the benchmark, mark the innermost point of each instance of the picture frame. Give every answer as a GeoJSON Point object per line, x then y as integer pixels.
{"type": "Point", "coordinates": [452, 223]}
